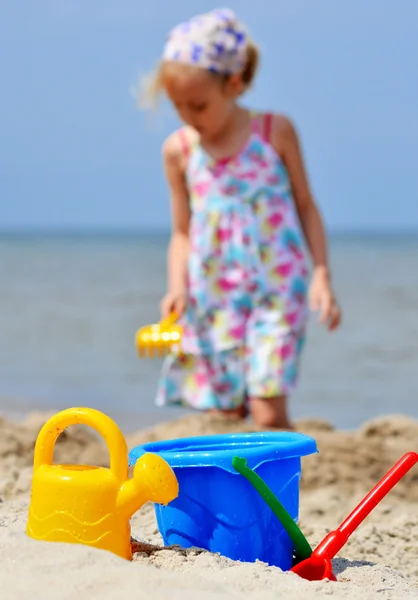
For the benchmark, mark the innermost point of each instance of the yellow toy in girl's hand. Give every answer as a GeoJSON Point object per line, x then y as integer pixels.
{"type": "Point", "coordinates": [93, 505]}
{"type": "Point", "coordinates": [160, 338]}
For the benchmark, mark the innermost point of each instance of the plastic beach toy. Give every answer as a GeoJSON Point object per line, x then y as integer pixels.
{"type": "Point", "coordinates": [302, 547]}
{"type": "Point", "coordinates": [160, 338]}
{"type": "Point", "coordinates": [319, 565]}
{"type": "Point", "coordinates": [92, 505]}
{"type": "Point", "coordinates": [219, 510]}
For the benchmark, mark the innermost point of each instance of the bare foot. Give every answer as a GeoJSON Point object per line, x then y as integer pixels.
{"type": "Point", "coordinates": [233, 414]}
{"type": "Point", "coordinates": [271, 413]}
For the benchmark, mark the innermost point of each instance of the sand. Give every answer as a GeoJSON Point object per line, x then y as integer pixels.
{"type": "Point", "coordinates": [380, 560]}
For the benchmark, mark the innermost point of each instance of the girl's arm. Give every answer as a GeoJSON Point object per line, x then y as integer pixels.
{"type": "Point", "coordinates": [178, 249]}
{"type": "Point", "coordinates": [285, 141]}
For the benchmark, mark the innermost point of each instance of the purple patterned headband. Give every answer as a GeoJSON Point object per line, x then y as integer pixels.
{"type": "Point", "coordinates": [215, 41]}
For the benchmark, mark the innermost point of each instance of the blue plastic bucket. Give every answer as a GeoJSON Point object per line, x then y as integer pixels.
{"type": "Point", "coordinates": [217, 508]}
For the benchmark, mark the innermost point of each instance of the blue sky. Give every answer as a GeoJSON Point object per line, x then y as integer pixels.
{"type": "Point", "coordinates": [76, 153]}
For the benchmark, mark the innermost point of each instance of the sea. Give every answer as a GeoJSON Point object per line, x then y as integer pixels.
{"type": "Point", "coordinates": [70, 305]}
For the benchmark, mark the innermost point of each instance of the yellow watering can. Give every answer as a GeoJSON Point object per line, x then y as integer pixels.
{"type": "Point", "coordinates": [93, 505]}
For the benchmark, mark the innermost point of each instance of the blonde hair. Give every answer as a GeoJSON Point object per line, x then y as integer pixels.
{"type": "Point", "coordinates": [152, 86]}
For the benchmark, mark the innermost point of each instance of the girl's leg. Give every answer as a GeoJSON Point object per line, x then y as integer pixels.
{"type": "Point", "coordinates": [271, 374]}
{"type": "Point", "coordinates": [270, 412]}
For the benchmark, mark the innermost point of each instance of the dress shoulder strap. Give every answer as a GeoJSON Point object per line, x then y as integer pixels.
{"type": "Point", "coordinates": [262, 124]}
{"type": "Point", "coordinates": [267, 126]}
{"type": "Point", "coordinates": [184, 142]}
{"type": "Point", "coordinates": [188, 142]}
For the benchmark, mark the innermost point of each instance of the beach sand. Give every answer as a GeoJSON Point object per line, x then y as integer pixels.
{"type": "Point", "coordinates": [379, 561]}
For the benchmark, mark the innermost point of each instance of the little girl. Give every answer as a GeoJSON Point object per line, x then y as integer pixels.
{"type": "Point", "coordinates": [241, 207]}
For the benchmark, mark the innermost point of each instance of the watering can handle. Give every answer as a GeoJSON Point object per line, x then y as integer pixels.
{"type": "Point", "coordinates": [118, 450]}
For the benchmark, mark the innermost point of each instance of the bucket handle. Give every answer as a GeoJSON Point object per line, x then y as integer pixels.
{"type": "Point", "coordinates": [118, 450]}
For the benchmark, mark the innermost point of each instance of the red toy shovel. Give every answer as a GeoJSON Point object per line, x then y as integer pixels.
{"type": "Point", "coordinates": [318, 565]}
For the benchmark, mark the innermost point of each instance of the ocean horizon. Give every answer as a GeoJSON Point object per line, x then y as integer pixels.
{"type": "Point", "coordinates": [71, 302]}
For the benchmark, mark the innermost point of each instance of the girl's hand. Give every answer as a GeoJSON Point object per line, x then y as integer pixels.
{"type": "Point", "coordinates": [322, 299]}
{"type": "Point", "coordinates": [173, 302]}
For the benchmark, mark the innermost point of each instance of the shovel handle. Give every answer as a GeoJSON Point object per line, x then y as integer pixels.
{"type": "Point", "coordinates": [379, 491]}
{"type": "Point", "coordinates": [335, 540]}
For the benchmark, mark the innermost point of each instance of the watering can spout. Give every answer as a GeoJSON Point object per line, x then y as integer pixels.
{"type": "Point", "coordinates": [153, 480]}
